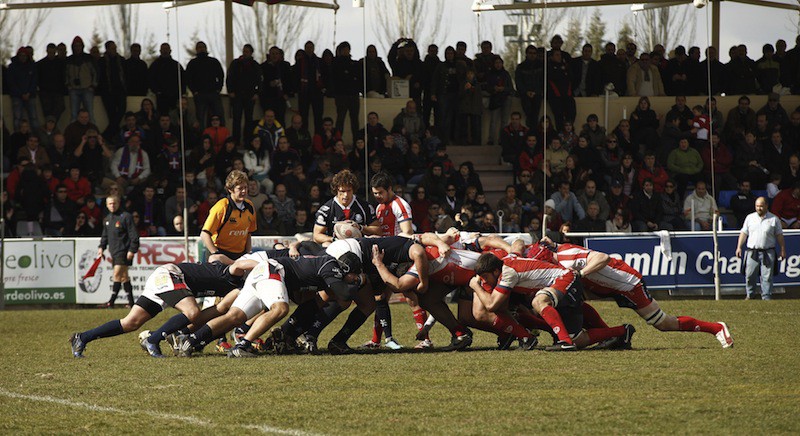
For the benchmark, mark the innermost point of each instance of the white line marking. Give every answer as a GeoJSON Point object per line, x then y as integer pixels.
{"type": "Point", "coordinates": [200, 422]}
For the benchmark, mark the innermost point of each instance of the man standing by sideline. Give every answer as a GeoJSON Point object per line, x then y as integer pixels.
{"type": "Point", "coordinates": [761, 230]}
{"type": "Point", "coordinates": [122, 240]}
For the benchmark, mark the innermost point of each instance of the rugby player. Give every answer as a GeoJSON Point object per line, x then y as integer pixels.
{"type": "Point", "coordinates": [170, 285]}
{"type": "Point", "coordinates": [394, 216]}
{"type": "Point", "coordinates": [556, 297]}
{"type": "Point", "coordinates": [268, 288]}
{"type": "Point", "coordinates": [607, 276]}
{"type": "Point", "coordinates": [344, 206]}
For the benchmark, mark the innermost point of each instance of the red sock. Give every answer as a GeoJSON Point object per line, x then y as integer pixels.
{"type": "Point", "coordinates": [420, 316]}
{"type": "Point", "coordinates": [507, 325]}
{"type": "Point", "coordinates": [531, 321]}
{"type": "Point", "coordinates": [553, 319]}
{"type": "Point", "coordinates": [592, 319]}
{"type": "Point", "coordinates": [458, 330]}
{"type": "Point", "coordinates": [689, 324]}
{"type": "Point", "coordinates": [377, 331]}
{"type": "Point", "coordinates": [601, 334]}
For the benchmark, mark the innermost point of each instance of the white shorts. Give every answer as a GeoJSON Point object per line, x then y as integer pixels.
{"type": "Point", "coordinates": [263, 288]}
{"type": "Point", "coordinates": [166, 286]}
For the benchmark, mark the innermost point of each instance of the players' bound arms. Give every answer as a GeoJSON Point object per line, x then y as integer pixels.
{"type": "Point", "coordinates": [782, 244]}
{"type": "Point", "coordinates": [432, 239]}
{"type": "Point", "coordinates": [242, 266]}
{"type": "Point", "coordinates": [391, 281]}
{"type": "Point", "coordinates": [518, 247]}
{"type": "Point", "coordinates": [208, 242]}
{"type": "Point", "coordinates": [373, 229]}
{"type": "Point", "coordinates": [743, 239]}
{"type": "Point", "coordinates": [406, 227]}
{"type": "Point", "coordinates": [491, 302]}
{"type": "Point", "coordinates": [594, 262]}
{"type": "Point", "coordinates": [494, 242]}
{"type": "Point", "coordinates": [420, 259]}
{"type": "Point", "coordinates": [319, 234]}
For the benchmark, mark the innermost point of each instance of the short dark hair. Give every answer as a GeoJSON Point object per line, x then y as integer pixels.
{"type": "Point", "coordinates": [488, 262]}
{"type": "Point", "coordinates": [382, 180]}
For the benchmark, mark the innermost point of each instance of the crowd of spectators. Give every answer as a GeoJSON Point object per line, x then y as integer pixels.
{"type": "Point", "coordinates": [651, 172]}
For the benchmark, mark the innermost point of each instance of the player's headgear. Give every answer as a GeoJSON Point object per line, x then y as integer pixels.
{"type": "Point", "coordinates": [350, 263]}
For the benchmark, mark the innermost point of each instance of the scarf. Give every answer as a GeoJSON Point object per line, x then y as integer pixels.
{"type": "Point", "coordinates": [125, 164]}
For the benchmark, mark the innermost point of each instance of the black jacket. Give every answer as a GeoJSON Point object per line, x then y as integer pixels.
{"type": "Point", "coordinates": [244, 77]}
{"type": "Point", "coordinates": [163, 76]}
{"type": "Point", "coordinates": [119, 234]}
{"type": "Point", "coordinates": [135, 76]}
{"type": "Point", "coordinates": [204, 74]}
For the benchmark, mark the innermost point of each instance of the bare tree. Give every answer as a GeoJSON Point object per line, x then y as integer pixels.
{"type": "Point", "coordinates": [625, 35]}
{"type": "Point", "coordinates": [274, 25]}
{"type": "Point", "coordinates": [20, 28]}
{"type": "Point", "coordinates": [573, 39]}
{"type": "Point", "coordinates": [420, 20]}
{"type": "Point", "coordinates": [668, 26]}
{"type": "Point", "coordinates": [121, 24]}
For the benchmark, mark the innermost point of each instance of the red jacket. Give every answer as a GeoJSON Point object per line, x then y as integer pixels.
{"type": "Point", "coordinates": [79, 189]}
{"type": "Point", "coordinates": [785, 205]}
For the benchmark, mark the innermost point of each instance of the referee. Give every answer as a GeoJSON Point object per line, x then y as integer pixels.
{"type": "Point", "coordinates": [122, 239]}
{"type": "Point", "coordinates": [761, 230]}
{"type": "Point", "coordinates": [231, 222]}
{"type": "Point", "coordinates": [344, 206]}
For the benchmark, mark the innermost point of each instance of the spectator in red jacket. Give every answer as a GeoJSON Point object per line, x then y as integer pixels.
{"type": "Point", "coordinates": [77, 187]}
{"type": "Point", "coordinates": [786, 206]}
{"type": "Point", "coordinates": [651, 170]}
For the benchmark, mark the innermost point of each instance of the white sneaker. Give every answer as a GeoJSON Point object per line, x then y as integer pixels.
{"type": "Point", "coordinates": [392, 344]}
{"type": "Point", "coordinates": [724, 336]}
{"type": "Point", "coordinates": [426, 344]}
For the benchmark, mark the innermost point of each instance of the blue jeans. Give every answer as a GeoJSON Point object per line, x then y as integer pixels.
{"type": "Point", "coordinates": [759, 264]}
{"type": "Point", "coordinates": [24, 110]}
{"type": "Point", "coordinates": [78, 96]}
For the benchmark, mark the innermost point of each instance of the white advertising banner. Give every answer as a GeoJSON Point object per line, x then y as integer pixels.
{"type": "Point", "coordinates": [152, 253]}
{"type": "Point", "coordinates": [39, 272]}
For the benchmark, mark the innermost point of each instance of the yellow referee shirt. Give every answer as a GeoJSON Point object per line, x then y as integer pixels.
{"type": "Point", "coordinates": [228, 226]}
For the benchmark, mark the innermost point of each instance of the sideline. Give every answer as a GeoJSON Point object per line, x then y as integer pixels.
{"type": "Point", "coordinates": [200, 422]}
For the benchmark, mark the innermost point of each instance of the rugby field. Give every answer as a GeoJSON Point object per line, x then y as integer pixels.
{"type": "Point", "coordinates": [670, 382]}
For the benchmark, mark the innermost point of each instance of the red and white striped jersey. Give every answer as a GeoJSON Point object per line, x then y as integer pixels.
{"type": "Point", "coordinates": [391, 214]}
{"type": "Point", "coordinates": [457, 269]}
{"type": "Point", "coordinates": [526, 276]}
{"type": "Point", "coordinates": [616, 276]}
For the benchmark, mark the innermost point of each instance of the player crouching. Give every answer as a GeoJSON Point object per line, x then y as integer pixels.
{"type": "Point", "coordinates": [170, 285]}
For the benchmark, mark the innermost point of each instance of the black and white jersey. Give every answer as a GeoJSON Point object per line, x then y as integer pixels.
{"type": "Point", "coordinates": [395, 249]}
{"type": "Point", "coordinates": [207, 279]}
{"type": "Point", "coordinates": [332, 212]}
{"type": "Point", "coordinates": [315, 272]}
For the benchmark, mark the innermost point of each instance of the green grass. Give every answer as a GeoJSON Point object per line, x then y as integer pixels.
{"type": "Point", "coordinates": [670, 382]}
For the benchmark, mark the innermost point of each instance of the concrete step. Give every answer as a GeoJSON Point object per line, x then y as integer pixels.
{"type": "Point", "coordinates": [485, 168]}
{"type": "Point", "coordinates": [486, 154]}
{"type": "Point", "coordinates": [496, 181]}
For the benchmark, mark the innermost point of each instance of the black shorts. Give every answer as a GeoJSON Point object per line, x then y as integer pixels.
{"type": "Point", "coordinates": [231, 255]}
{"type": "Point", "coordinates": [572, 315]}
{"type": "Point", "coordinates": [122, 260]}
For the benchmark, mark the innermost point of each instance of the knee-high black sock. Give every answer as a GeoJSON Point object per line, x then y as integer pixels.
{"type": "Point", "coordinates": [354, 321]}
{"type": "Point", "coordinates": [129, 289]}
{"type": "Point", "coordinates": [114, 292]}
{"type": "Point", "coordinates": [301, 319]}
{"type": "Point", "coordinates": [111, 328]}
{"type": "Point", "coordinates": [203, 336]}
{"type": "Point", "coordinates": [172, 325]}
{"type": "Point", "coordinates": [384, 316]}
{"type": "Point", "coordinates": [324, 317]}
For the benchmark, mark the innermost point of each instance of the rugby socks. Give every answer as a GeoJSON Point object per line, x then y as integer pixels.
{"type": "Point", "coordinates": [601, 334]}
{"type": "Point", "coordinates": [689, 324]}
{"type": "Point", "coordinates": [323, 318]}
{"type": "Point", "coordinates": [172, 325]}
{"type": "Point", "coordinates": [505, 324]}
{"type": "Point", "coordinates": [383, 321]}
{"type": "Point", "coordinates": [553, 319]}
{"type": "Point", "coordinates": [420, 317]}
{"type": "Point", "coordinates": [301, 319]}
{"type": "Point", "coordinates": [354, 321]}
{"type": "Point", "coordinates": [592, 319]}
{"type": "Point", "coordinates": [430, 322]}
{"type": "Point", "coordinates": [531, 321]}
{"type": "Point", "coordinates": [129, 289]}
{"type": "Point", "coordinates": [111, 328]}
{"type": "Point", "coordinates": [203, 336]}
{"type": "Point", "coordinates": [114, 292]}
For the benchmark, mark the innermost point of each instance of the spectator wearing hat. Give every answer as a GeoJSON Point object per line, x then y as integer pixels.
{"type": "Point", "coordinates": [81, 78]}
{"type": "Point", "coordinates": [23, 79]}
{"type": "Point", "coordinates": [776, 115]}
{"type": "Point", "coordinates": [52, 78]}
